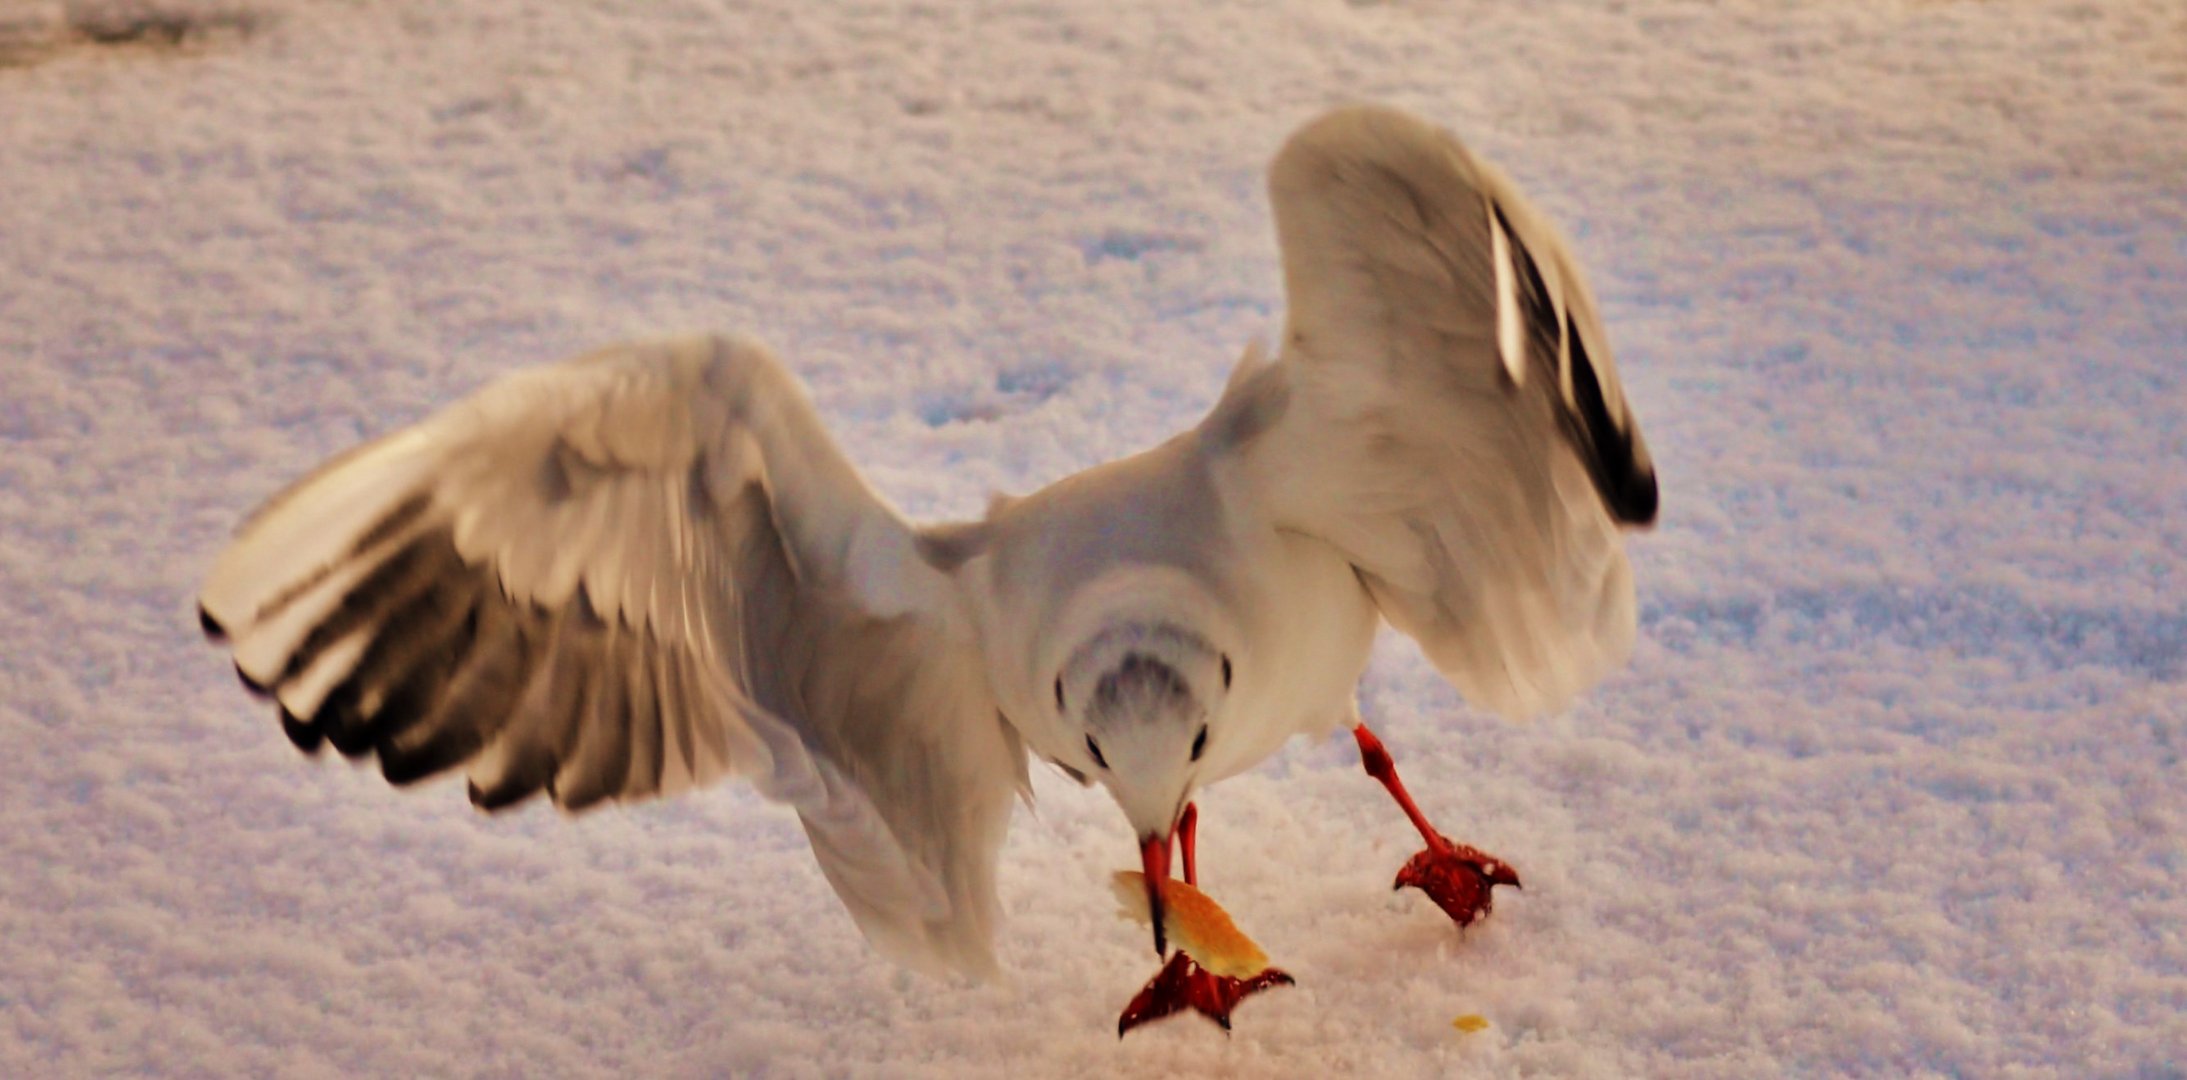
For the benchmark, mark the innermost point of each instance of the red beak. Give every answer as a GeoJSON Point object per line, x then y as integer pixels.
{"type": "Point", "coordinates": [1154, 860]}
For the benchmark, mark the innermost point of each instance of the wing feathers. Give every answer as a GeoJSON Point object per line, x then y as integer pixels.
{"type": "Point", "coordinates": [630, 575]}
{"type": "Point", "coordinates": [480, 695]}
{"type": "Point", "coordinates": [1478, 502]}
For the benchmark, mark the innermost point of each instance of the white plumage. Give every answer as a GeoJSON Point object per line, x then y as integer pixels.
{"type": "Point", "coordinates": [648, 568]}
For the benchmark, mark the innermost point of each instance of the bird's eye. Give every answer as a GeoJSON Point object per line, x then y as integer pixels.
{"type": "Point", "coordinates": [1226, 673]}
{"type": "Point", "coordinates": [1199, 742]}
{"type": "Point", "coordinates": [1059, 693]}
{"type": "Point", "coordinates": [1096, 749]}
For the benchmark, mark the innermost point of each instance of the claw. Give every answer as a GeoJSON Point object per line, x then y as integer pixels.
{"type": "Point", "coordinates": [1458, 878]}
{"type": "Point", "coordinates": [1182, 983]}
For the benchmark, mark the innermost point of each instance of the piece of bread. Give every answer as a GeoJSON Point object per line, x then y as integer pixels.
{"type": "Point", "coordinates": [1196, 923]}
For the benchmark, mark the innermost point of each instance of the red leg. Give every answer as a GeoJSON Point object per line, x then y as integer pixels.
{"type": "Point", "coordinates": [1457, 877]}
{"type": "Point", "coordinates": [1376, 759]}
{"type": "Point", "coordinates": [1183, 984]}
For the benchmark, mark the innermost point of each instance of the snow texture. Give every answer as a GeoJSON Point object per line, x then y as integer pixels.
{"type": "Point", "coordinates": [1892, 786]}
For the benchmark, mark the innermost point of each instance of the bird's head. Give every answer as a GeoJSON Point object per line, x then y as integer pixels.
{"type": "Point", "coordinates": [1143, 694]}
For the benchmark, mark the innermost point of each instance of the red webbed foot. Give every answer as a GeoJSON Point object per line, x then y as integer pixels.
{"type": "Point", "coordinates": [1458, 878]}
{"type": "Point", "coordinates": [1183, 984]}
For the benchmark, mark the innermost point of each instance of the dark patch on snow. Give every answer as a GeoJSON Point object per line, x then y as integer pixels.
{"type": "Point", "coordinates": [47, 32]}
{"type": "Point", "coordinates": [1015, 389]}
{"type": "Point", "coordinates": [1132, 246]}
{"type": "Point", "coordinates": [1968, 622]}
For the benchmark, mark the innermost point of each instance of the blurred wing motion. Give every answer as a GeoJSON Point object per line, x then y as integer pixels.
{"type": "Point", "coordinates": [1444, 410]}
{"type": "Point", "coordinates": [627, 575]}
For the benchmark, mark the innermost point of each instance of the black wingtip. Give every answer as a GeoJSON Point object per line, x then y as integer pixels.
{"type": "Point", "coordinates": [405, 762]}
{"type": "Point", "coordinates": [1634, 501]}
{"type": "Point", "coordinates": [214, 632]}
{"type": "Point", "coordinates": [1625, 479]}
{"type": "Point", "coordinates": [253, 685]}
{"type": "Point", "coordinates": [401, 771]}
{"type": "Point", "coordinates": [301, 733]}
{"type": "Point", "coordinates": [349, 731]}
{"type": "Point", "coordinates": [502, 797]}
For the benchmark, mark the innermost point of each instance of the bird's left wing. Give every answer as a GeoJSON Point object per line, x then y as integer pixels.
{"type": "Point", "coordinates": [1444, 410]}
{"type": "Point", "coordinates": [626, 575]}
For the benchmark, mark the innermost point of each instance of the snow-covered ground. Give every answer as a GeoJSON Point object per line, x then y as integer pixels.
{"type": "Point", "coordinates": [1894, 782]}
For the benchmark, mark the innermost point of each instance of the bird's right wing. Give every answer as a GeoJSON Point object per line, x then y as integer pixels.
{"type": "Point", "coordinates": [626, 575]}
{"type": "Point", "coordinates": [1443, 410]}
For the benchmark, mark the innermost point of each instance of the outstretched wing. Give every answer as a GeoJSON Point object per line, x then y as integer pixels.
{"type": "Point", "coordinates": [626, 575]}
{"type": "Point", "coordinates": [1444, 411]}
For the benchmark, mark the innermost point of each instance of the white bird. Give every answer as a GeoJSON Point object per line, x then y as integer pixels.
{"type": "Point", "coordinates": [648, 568]}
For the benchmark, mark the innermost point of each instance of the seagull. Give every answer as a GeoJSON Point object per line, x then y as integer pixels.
{"type": "Point", "coordinates": [646, 569]}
